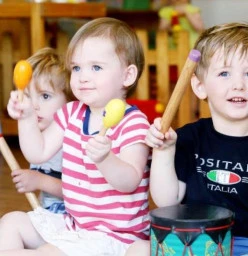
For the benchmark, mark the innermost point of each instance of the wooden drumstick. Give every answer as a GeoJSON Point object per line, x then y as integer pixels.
{"type": "Point", "coordinates": [182, 82]}
{"type": "Point", "coordinates": [13, 165]}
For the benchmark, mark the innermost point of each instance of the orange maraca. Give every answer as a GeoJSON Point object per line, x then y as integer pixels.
{"type": "Point", "coordinates": [22, 75]}
{"type": "Point", "coordinates": [113, 113]}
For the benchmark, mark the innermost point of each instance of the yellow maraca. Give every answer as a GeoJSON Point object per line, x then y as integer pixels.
{"type": "Point", "coordinates": [22, 75]}
{"type": "Point", "coordinates": [113, 113]}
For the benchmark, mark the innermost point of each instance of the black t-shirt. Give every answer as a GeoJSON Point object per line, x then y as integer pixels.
{"type": "Point", "coordinates": [215, 169]}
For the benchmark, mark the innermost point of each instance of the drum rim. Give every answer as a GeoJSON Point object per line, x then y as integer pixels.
{"type": "Point", "coordinates": [157, 220]}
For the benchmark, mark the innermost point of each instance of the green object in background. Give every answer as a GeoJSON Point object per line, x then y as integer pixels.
{"type": "Point", "coordinates": [136, 4]}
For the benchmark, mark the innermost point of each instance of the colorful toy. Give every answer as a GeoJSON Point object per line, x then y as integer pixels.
{"type": "Point", "coordinates": [13, 164]}
{"type": "Point", "coordinates": [175, 26]}
{"type": "Point", "coordinates": [113, 113]}
{"type": "Point", "coordinates": [152, 108]}
{"type": "Point", "coordinates": [22, 75]}
{"type": "Point", "coordinates": [181, 230]}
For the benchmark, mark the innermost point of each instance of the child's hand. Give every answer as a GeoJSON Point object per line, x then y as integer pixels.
{"type": "Point", "coordinates": [98, 148]}
{"type": "Point", "coordinates": [19, 110]}
{"type": "Point", "coordinates": [26, 180]}
{"type": "Point", "coordinates": [157, 139]}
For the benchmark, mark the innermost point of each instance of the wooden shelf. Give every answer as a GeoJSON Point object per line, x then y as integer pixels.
{"type": "Point", "coordinates": [138, 19]}
{"type": "Point", "coordinates": [38, 12]}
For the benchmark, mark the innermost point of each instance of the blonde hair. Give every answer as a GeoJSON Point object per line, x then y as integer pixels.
{"type": "Point", "coordinates": [127, 45]}
{"type": "Point", "coordinates": [46, 62]}
{"type": "Point", "coordinates": [228, 37]}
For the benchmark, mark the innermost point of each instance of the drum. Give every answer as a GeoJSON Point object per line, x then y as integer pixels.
{"type": "Point", "coordinates": [191, 230]}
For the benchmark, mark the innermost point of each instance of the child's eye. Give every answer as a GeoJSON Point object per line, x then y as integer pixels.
{"type": "Point", "coordinates": [96, 68]}
{"type": "Point", "coordinates": [224, 74]}
{"type": "Point", "coordinates": [76, 68]}
{"type": "Point", "coordinates": [46, 96]}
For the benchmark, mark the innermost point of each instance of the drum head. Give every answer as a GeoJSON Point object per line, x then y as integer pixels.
{"type": "Point", "coordinates": [188, 221]}
{"type": "Point", "coordinates": [190, 216]}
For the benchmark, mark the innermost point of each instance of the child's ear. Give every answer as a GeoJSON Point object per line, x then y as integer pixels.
{"type": "Point", "coordinates": [130, 75]}
{"type": "Point", "coordinates": [198, 87]}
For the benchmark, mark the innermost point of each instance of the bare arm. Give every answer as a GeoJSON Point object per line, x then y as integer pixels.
{"type": "Point", "coordinates": [196, 21]}
{"type": "Point", "coordinates": [123, 172]}
{"type": "Point", "coordinates": [28, 181]}
{"type": "Point", "coordinates": [165, 187]}
{"type": "Point", "coordinates": [51, 185]}
{"type": "Point", "coordinates": [36, 146]}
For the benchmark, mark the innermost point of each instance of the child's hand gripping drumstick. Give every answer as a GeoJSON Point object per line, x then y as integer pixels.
{"type": "Point", "coordinates": [176, 97]}
{"type": "Point", "coordinates": [11, 161]}
{"type": "Point", "coordinates": [113, 113]}
{"type": "Point", "coordinates": [22, 75]}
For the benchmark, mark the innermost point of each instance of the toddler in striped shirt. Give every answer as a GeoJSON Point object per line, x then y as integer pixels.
{"type": "Point", "coordinates": [104, 178]}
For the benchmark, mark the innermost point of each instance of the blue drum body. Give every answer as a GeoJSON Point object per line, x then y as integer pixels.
{"type": "Point", "coordinates": [191, 230]}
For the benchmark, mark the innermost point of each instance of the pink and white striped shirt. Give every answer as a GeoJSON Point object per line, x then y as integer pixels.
{"type": "Point", "coordinates": [91, 202]}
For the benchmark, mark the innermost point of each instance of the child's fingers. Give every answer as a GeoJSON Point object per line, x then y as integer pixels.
{"type": "Point", "coordinates": [98, 148]}
{"type": "Point", "coordinates": [16, 172]}
{"type": "Point", "coordinates": [13, 110]}
{"type": "Point", "coordinates": [171, 135]}
{"type": "Point", "coordinates": [170, 138]}
{"type": "Point", "coordinates": [16, 179]}
{"type": "Point", "coordinates": [155, 132]}
{"type": "Point", "coordinates": [20, 188]}
{"type": "Point", "coordinates": [154, 138]}
{"type": "Point", "coordinates": [14, 95]}
{"type": "Point", "coordinates": [157, 123]}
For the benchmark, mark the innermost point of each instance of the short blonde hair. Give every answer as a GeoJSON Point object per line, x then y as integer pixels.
{"type": "Point", "coordinates": [127, 45]}
{"type": "Point", "coordinates": [46, 62]}
{"type": "Point", "coordinates": [228, 36]}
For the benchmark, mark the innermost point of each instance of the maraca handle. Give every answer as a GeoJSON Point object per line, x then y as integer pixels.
{"type": "Point", "coordinates": [20, 95]}
{"type": "Point", "coordinates": [182, 83]}
{"type": "Point", "coordinates": [13, 164]}
{"type": "Point", "coordinates": [103, 131]}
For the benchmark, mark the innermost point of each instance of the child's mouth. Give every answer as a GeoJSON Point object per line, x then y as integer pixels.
{"type": "Point", "coordinates": [237, 100]}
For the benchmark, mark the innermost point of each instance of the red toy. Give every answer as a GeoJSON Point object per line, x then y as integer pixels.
{"type": "Point", "coordinates": [152, 108]}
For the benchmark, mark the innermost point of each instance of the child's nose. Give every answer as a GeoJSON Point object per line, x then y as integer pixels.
{"type": "Point", "coordinates": [239, 84]}
{"type": "Point", "coordinates": [84, 75]}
